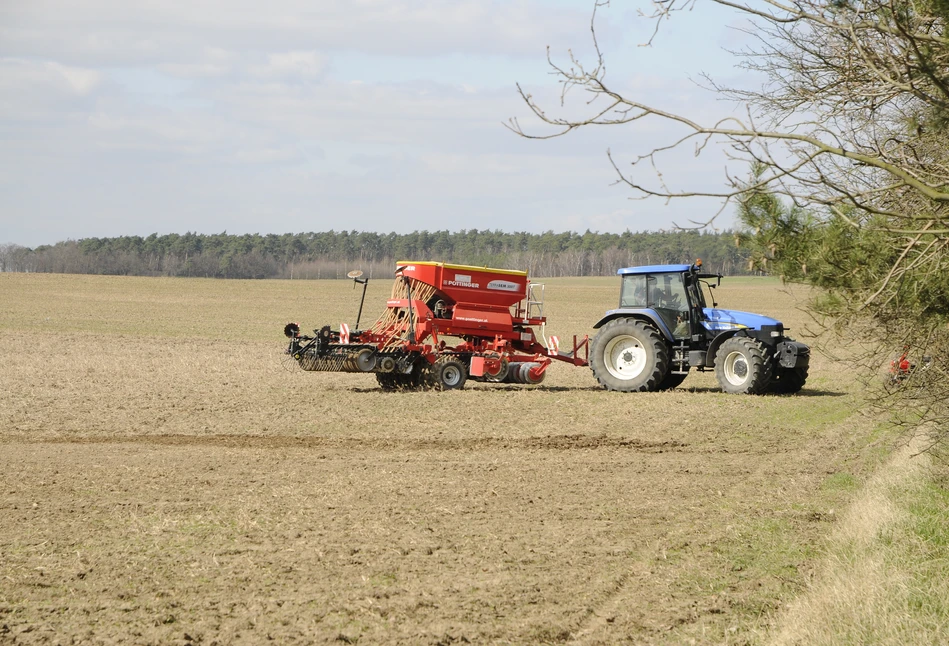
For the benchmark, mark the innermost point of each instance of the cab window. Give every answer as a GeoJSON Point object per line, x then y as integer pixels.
{"type": "Point", "coordinates": [668, 293]}
{"type": "Point", "coordinates": [633, 292]}
{"type": "Point", "coordinates": [669, 299]}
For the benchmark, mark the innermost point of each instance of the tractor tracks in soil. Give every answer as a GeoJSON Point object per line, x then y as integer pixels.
{"type": "Point", "coordinates": [601, 612]}
{"type": "Point", "coordinates": [549, 442]}
{"type": "Point", "coordinates": [572, 442]}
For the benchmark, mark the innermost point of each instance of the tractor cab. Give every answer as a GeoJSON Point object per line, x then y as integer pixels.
{"type": "Point", "coordinates": [664, 293]}
{"type": "Point", "coordinates": [673, 292]}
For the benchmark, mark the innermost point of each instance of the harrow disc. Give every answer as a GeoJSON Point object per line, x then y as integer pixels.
{"type": "Point", "coordinates": [340, 359]}
{"type": "Point", "coordinates": [388, 380]}
{"type": "Point", "coordinates": [502, 372]}
{"type": "Point", "coordinates": [365, 360]}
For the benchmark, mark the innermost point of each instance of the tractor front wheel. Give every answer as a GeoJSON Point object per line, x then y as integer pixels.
{"type": "Point", "coordinates": [743, 366]}
{"type": "Point", "coordinates": [787, 381]}
{"type": "Point", "coordinates": [628, 355]}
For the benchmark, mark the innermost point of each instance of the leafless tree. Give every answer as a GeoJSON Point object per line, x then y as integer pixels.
{"type": "Point", "coordinates": [851, 124]}
{"type": "Point", "coordinates": [849, 117]}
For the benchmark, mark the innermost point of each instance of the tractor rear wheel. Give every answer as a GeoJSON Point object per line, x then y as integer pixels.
{"type": "Point", "coordinates": [743, 366]}
{"type": "Point", "coordinates": [628, 355]}
{"type": "Point", "coordinates": [447, 373]}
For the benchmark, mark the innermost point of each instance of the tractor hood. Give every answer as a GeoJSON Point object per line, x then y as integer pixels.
{"type": "Point", "coordinates": [717, 320]}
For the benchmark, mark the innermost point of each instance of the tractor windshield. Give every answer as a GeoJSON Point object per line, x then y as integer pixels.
{"type": "Point", "coordinates": [654, 290]}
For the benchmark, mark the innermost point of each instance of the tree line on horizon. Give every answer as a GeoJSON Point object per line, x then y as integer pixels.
{"type": "Point", "coordinates": [332, 254]}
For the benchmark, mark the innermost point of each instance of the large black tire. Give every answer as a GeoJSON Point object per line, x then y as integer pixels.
{"type": "Point", "coordinates": [447, 373]}
{"type": "Point", "coordinates": [388, 380]}
{"type": "Point", "coordinates": [401, 380]}
{"type": "Point", "coordinates": [743, 366]}
{"type": "Point", "coordinates": [672, 380]}
{"type": "Point", "coordinates": [628, 355]}
{"type": "Point", "coordinates": [415, 379]}
{"type": "Point", "coordinates": [787, 381]}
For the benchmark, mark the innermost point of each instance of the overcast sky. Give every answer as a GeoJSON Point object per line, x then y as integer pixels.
{"type": "Point", "coordinates": [131, 117]}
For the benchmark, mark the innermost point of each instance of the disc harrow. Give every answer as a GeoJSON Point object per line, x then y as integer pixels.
{"type": "Point", "coordinates": [443, 325]}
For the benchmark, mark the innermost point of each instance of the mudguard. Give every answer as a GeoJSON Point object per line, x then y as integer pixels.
{"type": "Point", "coordinates": [643, 314]}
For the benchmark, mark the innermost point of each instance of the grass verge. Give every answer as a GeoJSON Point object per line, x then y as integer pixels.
{"type": "Point", "coordinates": [885, 574]}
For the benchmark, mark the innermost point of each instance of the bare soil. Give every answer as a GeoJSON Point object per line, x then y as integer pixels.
{"type": "Point", "coordinates": [164, 479]}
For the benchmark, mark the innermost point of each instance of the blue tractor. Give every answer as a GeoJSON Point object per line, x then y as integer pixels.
{"type": "Point", "coordinates": [664, 328]}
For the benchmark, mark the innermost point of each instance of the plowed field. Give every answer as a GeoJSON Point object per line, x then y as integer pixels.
{"type": "Point", "coordinates": [164, 478]}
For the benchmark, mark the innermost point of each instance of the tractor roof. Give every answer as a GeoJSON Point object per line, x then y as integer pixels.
{"type": "Point", "coordinates": [655, 269]}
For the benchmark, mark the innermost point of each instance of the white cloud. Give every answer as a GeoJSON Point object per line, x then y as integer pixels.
{"type": "Point", "coordinates": [212, 115]}
{"type": "Point", "coordinates": [291, 65]}
{"type": "Point", "coordinates": [82, 81]}
{"type": "Point", "coordinates": [99, 31]}
{"type": "Point", "coordinates": [210, 62]}
{"type": "Point", "coordinates": [19, 75]}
